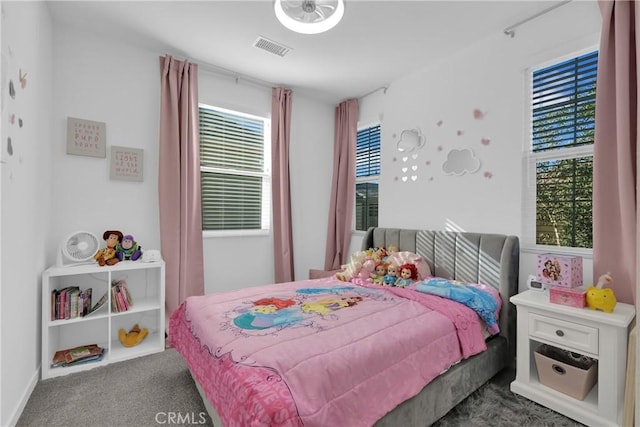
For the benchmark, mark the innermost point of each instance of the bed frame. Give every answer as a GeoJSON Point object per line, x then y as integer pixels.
{"type": "Point", "coordinates": [490, 259]}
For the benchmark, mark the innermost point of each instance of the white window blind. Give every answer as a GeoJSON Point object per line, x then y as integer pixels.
{"type": "Point", "coordinates": [560, 159]}
{"type": "Point", "coordinates": [235, 178]}
{"type": "Point", "coordinates": [367, 175]}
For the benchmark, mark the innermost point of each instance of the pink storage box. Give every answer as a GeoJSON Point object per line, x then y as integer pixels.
{"type": "Point", "coordinates": [573, 297]}
{"type": "Point", "coordinates": [557, 270]}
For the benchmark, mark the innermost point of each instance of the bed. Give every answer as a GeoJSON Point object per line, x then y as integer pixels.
{"type": "Point", "coordinates": [324, 352]}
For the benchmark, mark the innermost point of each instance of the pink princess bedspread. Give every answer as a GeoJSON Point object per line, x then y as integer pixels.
{"type": "Point", "coordinates": [319, 352]}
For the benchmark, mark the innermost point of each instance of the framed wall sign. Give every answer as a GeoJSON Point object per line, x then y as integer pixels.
{"type": "Point", "coordinates": [86, 137]}
{"type": "Point", "coordinates": [126, 163]}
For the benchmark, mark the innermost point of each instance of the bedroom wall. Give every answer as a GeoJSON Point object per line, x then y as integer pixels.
{"type": "Point", "coordinates": [474, 99]}
{"type": "Point", "coordinates": [102, 79]}
{"type": "Point", "coordinates": [25, 197]}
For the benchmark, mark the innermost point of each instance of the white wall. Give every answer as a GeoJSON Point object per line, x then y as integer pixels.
{"type": "Point", "coordinates": [26, 200]}
{"type": "Point", "coordinates": [440, 101]}
{"type": "Point", "coordinates": [105, 80]}
{"type": "Point", "coordinates": [117, 84]}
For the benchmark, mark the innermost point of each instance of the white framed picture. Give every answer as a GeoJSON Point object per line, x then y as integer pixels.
{"type": "Point", "coordinates": [86, 137]}
{"type": "Point", "coordinates": [127, 164]}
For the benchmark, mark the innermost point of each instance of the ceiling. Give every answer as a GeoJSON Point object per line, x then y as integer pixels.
{"type": "Point", "coordinates": [375, 43]}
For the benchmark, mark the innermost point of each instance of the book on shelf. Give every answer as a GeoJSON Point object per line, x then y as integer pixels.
{"type": "Point", "coordinates": [99, 304]}
{"type": "Point", "coordinates": [70, 302]}
{"type": "Point", "coordinates": [120, 297]}
{"type": "Point", "coordinates": [77, 355]}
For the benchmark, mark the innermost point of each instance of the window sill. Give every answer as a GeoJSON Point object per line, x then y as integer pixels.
{"type": "Point", "coordinates": [558, 250]}
{"type": "Point", "coordinates": [235, 233]}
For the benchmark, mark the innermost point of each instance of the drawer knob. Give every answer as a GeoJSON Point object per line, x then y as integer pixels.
{"type": "Point", "coordinates": [559, 333]}
{"type": "Point", "coordinates": [558, 369]}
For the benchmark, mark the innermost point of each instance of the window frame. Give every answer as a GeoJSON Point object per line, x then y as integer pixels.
{"type": "Point", "coordinates": [367, 179]}
{"type": "Point", "coordinates": [266, 202]}
{"type": "Point", "coordinates": [529, 163]}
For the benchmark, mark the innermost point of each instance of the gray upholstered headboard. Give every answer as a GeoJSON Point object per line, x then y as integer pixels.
{"type": "Point", "coordinates": [490, 259]}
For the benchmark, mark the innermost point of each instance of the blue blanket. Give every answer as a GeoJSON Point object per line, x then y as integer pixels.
{"type": "Point", "coordinates": [480, 301]}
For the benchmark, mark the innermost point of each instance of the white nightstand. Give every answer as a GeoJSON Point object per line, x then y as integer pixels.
{"type": "Point", "coordinates": [600, 335]}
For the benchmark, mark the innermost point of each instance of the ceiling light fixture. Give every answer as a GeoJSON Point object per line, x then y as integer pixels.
{"type": "Point", "coordinates": [309, 16]}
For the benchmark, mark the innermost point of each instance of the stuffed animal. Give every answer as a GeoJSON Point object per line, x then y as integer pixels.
{"type": "Point", "coordinates": [353, 268]}
{"type": "Point", "coordinates": [367, 272]}
{"type": "Point", "coordinates": [377, 254]}
{"type": "Point", "coordinates": [599, 298]}
{"type": "Point", "coordinates": [151, 255]}
{"type": "Point", "coordinates": [133, 337]}
{"type": "Point", "coordinates": [128, 249]}
{"type": "Point", "coordinates": [108, 255]}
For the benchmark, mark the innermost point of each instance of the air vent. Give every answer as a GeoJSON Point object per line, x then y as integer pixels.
{"type": "Point", "coordinates": [271, 46]}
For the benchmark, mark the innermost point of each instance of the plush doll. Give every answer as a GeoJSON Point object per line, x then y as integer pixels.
{"type": "Point", "coordinates": [376, 254]}
{"type": "Point", "coordinates": [408, 273]}
{"type": "Point", "coordinates": [128, 249]}
{"type": "Point", "coordinates": [108, 256]}
{"type": "Point", "coordinates": [599, 298]}
{"type": "Point", "coordinates": [353, 268]}
{"type": "Point", "coordinates": [367, 272]}
{"type": "Point", "coordinates": [133, 337]}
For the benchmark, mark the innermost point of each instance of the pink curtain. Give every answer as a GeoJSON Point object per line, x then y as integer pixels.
{"type": "Point", "coordinates": [343, 184]}
{"type": "Point", "coordinates": [179, 182]}
{"type": "Point", "coordinates": [614, 162]}
{"type": "Point", "coordinates": [281, 192]}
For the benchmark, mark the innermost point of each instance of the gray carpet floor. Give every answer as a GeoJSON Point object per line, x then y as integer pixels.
{"type": "Point", "coordinates": [158, 390]}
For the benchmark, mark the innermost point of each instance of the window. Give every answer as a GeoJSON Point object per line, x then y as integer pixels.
{"type": "Point", "coordinates": [234, 171]}
{"type": "Point", "coordinates": [561, 151]}
{"type": "Point", "coordinates": [367, 175]}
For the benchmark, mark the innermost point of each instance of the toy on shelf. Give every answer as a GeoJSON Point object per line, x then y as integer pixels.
{"type": "Point", "coordinates": [151, 255]}
{"type": "Point", "coordinates": [108, 256]}
{"type": "Point", "coordinates": [128, 249]}
{"type": "Point", "coordinates": [599, 298]}
{"type": "Point", "coordinates": [133, 337]}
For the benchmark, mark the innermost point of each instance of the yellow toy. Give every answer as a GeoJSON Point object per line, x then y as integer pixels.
{"type": "Point", "coordinates": [133, 337]}
{"type": "Point", "coordinates": [599, 298]}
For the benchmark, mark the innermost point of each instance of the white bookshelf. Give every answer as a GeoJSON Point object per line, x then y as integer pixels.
{"type": "Point", "coordinates": [145, 282]}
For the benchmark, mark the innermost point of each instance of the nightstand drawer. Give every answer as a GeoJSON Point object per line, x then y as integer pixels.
{"type": "Point", "coordinates": [578, 337]}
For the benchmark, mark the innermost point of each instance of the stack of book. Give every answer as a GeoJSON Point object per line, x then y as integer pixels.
{"type": "Point", "coordinates": [78, 355]}
{"type": "Point", "coordinates": [70, 302]}
{"type": "Point", "coordinates": [120, 297]}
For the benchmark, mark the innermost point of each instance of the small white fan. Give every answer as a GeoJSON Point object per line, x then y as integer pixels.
{"type": "Point", "coordinates": [77, 247]}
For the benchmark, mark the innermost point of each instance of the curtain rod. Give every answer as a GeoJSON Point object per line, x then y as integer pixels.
{"type": "Point", "coordinates": [383, 88]}
{"type": "Point", "coordinates": [510, 30]}
{"type": "Point", "coordinates": [223, 72]}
